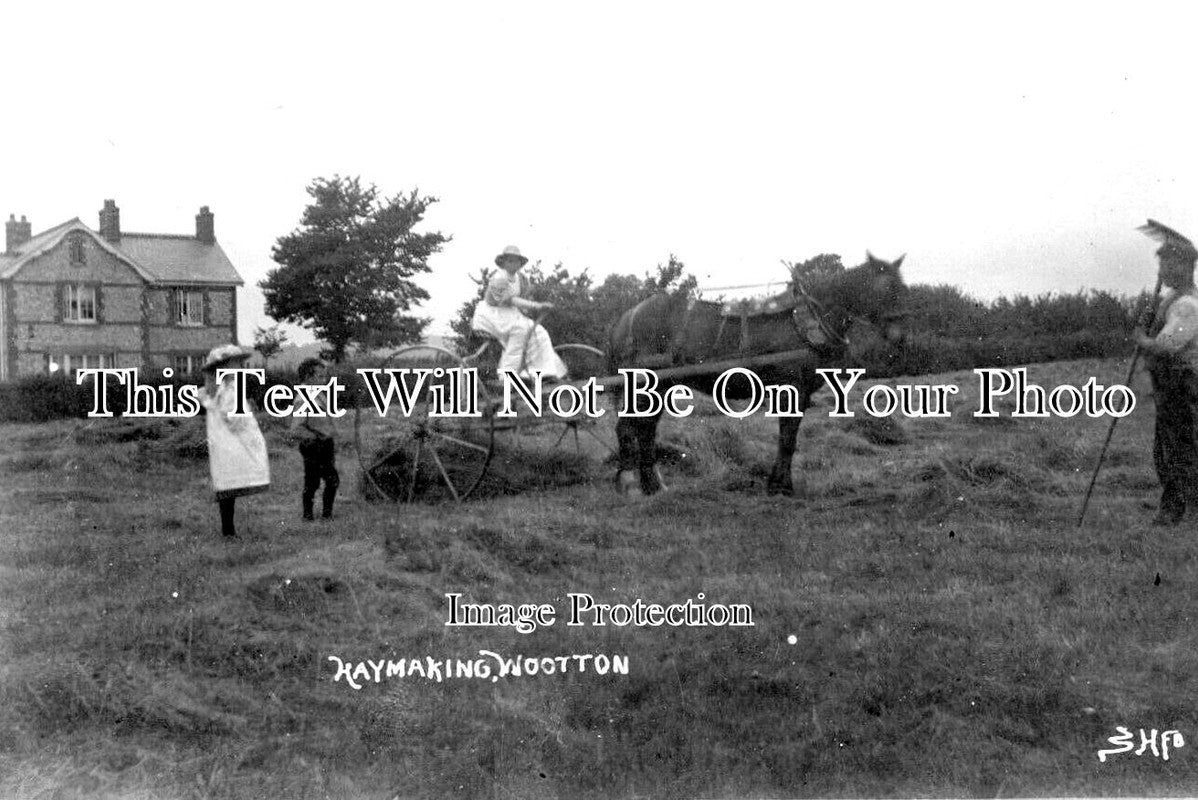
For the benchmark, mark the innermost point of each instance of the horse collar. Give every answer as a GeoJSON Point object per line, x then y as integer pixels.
{"type": "Point", "coordinates": [817, 311]}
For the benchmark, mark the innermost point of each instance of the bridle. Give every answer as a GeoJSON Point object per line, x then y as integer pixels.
{"type": "Point", "coordinates": [820, 313]}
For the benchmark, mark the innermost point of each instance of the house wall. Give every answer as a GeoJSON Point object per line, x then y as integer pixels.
{"type": "Point", "coordinates": [165, 338]}
{"type": "Point", "coordinates": [5, 362]}
{"type": "Point", "coordinates": [135, 320]}
{"type": "Point", "coordinates": [36, 326]}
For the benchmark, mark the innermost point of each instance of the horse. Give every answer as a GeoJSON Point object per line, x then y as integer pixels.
{"type": "Point", "coordinates": [812, 319]}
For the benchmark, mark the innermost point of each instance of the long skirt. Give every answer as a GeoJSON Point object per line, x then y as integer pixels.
{"type": "Point", "coordinates": [527, 347]}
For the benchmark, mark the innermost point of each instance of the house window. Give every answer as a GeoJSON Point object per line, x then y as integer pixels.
{"type": "Point", "coordinates": [79, 303]}
{"type": "Point", "coordinates": [188, 364]}
{"type": "Point", "coordinates": [69, 363]}
{"type": "Point", "coordinates": [75, 249]}
{"type": "Point", "coordinates": [189, 307]}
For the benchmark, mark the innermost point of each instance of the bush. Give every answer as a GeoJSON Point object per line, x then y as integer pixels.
{"type": "Point", "coordinates": [40, 398]}
{"type": "Point", "coordinates": [928, 355]}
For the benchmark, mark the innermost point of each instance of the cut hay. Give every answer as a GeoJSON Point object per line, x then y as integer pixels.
{"type": "Point", "coordinates": [303, 594]}
{"type": "Point", "coordinates": [123, 429]}
{"type": "Point", "coordinates": [884, 431]}
{"type": "Point", "coordinates": [512, 470]}
{"type": "Point", "coordinates": [958, 483]}
{"type": "Point", "coordinates": [157, 439]}
{"type": "Point", "coordinates": [1004, 407]}
{"type": "Point", "coordinates": [128, 698]}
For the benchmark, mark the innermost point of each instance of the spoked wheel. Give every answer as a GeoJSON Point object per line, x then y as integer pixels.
{"type": "Point", "coordinates": [420, 456]}
{"type": "Point", "coordinates": [549, 434]}
{"type": "Point", "coordinates": [584, 362]}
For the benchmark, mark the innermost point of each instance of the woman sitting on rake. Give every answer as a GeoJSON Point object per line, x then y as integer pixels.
{"type": "Point", "coordinates": [527, 347]}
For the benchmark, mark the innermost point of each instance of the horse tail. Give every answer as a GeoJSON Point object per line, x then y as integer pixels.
{"type": "Point", "coordinates": [621, 339]}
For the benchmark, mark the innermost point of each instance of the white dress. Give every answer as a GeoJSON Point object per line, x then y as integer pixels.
{"type": "Point", "coordinates": [527, 347]}
{"type": "Point", "coordinates": [236, 448]}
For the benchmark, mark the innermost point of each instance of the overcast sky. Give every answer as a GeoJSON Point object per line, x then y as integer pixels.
{"type": "Point", "coordinates": [1004, 148]}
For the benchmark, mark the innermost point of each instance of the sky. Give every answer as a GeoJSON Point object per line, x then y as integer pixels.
{"type": "Point", "coordinates": [1004, 148]}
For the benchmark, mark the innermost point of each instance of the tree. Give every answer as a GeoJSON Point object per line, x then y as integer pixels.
{"type": "Point", "coordinates": [825, 265]}
{"type": "Point", "coordinates": [345, 272]}
{"type": "Point", "coordinates": [268, 342]}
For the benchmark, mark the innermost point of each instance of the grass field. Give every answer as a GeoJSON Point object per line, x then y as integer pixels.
{"type": "Point", "coordinates": [929, 619]}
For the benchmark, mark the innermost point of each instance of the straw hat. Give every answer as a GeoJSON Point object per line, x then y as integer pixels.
{"type": "Point", "coordinates": [511, 251]}
{"type": "Point", "coordinates": [224, 354]}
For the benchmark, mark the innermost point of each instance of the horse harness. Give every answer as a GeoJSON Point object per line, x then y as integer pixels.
{"type": "Point", "coordinates": [814, 327]}
{"type": "Point", "coordinates": [809, 318]}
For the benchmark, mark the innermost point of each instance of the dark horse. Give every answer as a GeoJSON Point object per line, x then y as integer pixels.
{"type": "Point", "coordinates": [811, 319]}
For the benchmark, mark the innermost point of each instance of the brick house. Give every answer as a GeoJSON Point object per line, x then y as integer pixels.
{"type": "Point", "coordinates": [72, 297]}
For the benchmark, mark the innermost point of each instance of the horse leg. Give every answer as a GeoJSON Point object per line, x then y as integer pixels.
{"type": "Point", "coordinates": [780, 481]}
{"type": "Point", "coordinates": [627, 480]}
{"type": "Point", "coordinates": [646, 434]}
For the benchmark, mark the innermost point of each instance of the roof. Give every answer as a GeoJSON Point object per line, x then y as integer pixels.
{"type": "Point", "coordinates": [179, 259]}
{"type": "Point", "coordinates": [157, 258]}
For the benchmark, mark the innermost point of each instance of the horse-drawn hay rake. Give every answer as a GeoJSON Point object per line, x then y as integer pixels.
{"type": "Point", "coordinates": [424, 457]}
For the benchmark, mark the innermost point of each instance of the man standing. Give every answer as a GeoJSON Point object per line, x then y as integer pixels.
{"type": "Point", "coordinates": [1172, 357]}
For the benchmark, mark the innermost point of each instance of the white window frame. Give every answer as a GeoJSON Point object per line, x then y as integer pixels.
{"type": "Point", "coordinates": [70, 363]}
{"type": "Point", "coordinates": [187, 364]}
{"type": "Point", "coordinates": [189, 308]}
{"type": "Point", "coordinates": [78, 298]}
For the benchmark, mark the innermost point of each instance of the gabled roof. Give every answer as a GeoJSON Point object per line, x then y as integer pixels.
{"type": "Point", "coordinates": [157, 258]}
{"type": "Point", "coordinates": [179, 259]}
{"type": "Point", "coordinates": [47, 240]}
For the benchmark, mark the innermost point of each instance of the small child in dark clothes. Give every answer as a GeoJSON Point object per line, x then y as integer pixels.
{"type": "Point", "coordinates": [317, 446]}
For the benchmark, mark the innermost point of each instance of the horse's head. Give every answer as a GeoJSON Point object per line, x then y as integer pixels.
{"type": "Point", "coordinates": [884, 297]}
{"type": "Point", "coordinates": [873, 292]}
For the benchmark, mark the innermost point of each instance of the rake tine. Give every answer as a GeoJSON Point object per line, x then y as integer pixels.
{"type": "Point", "coordinates": [562, 435]}
{"type": "Point", "coordinates": [415, 469]}
{"type": "Point", "coordinates": [445, 475]}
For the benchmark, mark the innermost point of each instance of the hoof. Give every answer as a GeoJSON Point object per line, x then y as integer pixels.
{"type": "Point", "coordinates": [628, 484]}
{"type": "Point", "coordinates": [783, 488]}
{"type": "Point", "coordinates": [1168, 519]}
{"type": "Point", "coordinates": [651, 482]}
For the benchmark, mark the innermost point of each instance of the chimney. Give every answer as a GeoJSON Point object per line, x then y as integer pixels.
{"type": "Point", "coordinates": [205, 228]}
{"type": "Point", "coordinates": [110, 222]}
{"type": "Point", "coordinates": [16, 233]}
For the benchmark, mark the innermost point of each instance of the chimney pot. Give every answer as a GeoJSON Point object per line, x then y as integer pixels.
{"type": "Point", "coordinates": [110, 222]}
{"type": "Point", "coordinates": [205, 226]}
{"type": "Point", "coordinates": [16, 233]}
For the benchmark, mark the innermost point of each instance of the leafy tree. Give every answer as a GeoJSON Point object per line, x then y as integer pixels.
{"type": "Point", "coordinates": [345, 272]}
{"type": "Point", "coordinates": [268, 342]}
{"type": "Point", "coordinates": [822, 266]}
